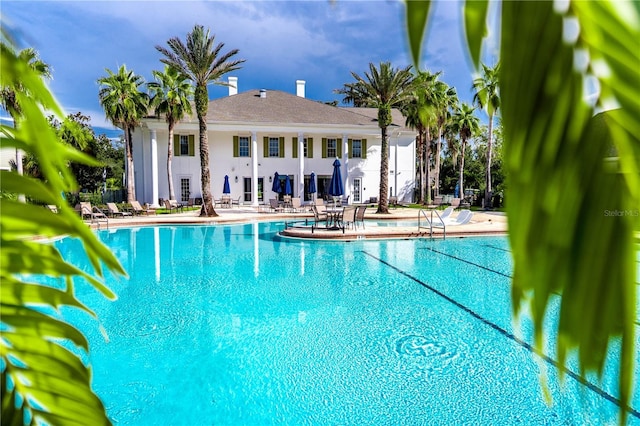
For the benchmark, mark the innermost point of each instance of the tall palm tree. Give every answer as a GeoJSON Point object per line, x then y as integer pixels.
{"type": "Point", "coordinates": [171, 93]}
{"type": "Point", "coordinates": [487, 96]}
{"type": "Point", "coordinates": [124, 105]}
{"type": "Point", "coordinates": [466, 124]}
{"type": "Point", "coordinates": [383, 88]}
{"type": "Point", "coordinates": [412, 120]}
{"type": "Point", "coordinates": [199, 60]}
{"type": "Point", "coordinates": [425, 87]}
{"type": "Point", "coordinates": [445, 99]}
{"type": "Point", "coordinates": [8, 98]}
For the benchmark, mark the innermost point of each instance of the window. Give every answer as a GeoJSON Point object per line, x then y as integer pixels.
{"type": "Point", "coordinates": [243, 146]}
{"type": "Point", "coordinates": [357, 148]}
{"type": "Point", "coordinates": [183, 145]}
{"type": "Point", "coordinates": [274, 147]}
{"type": "Point", "coordinates": [331, 148]}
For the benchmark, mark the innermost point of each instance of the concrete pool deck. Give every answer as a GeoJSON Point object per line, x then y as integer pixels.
{"type": "Point", "coordinates": [482, 223]}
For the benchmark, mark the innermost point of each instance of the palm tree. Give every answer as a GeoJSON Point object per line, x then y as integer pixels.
{"type": "Point", "coordinates": [198, 60]}
{"type": "Point", "coordinates": [425, 87]}
{"type": "Point", "coordinates": [410, 111]}
{"type": "Point", "coordinates": [8, 100]}
{"type": "Point", "coordinates": [125, 105]}
{"type": "Point", "coordinates": [383, 88]}
{"type": "Point", "coordinates": [487, 96]}
{"type": "Point", "coordinates": [445, 99]}
{"type": "Point", "coordinates": [466, 124]}
{"type": "Point", "coordinates": [171, 93]}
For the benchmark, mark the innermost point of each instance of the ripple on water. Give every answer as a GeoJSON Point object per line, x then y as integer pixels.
{"type": "Point", "coordinates": [430, 353]}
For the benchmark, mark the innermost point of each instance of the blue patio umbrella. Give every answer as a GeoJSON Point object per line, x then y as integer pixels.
{"type": "Point", "coordinates": [456, 191]}
{"type": "Point", "coordinates": [226, 189]}
{"type": "Point", "coordinates": [287, 185]}
{"type": "Point", "coordinates": [335, 186]}
{"type": "Point", "coordinates": [312, 184]}
{"type": "Point", "coordinates": [276, 183]}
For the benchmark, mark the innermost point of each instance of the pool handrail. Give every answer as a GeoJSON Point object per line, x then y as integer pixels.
{"type": "Point", "coordinates": [439, 223]}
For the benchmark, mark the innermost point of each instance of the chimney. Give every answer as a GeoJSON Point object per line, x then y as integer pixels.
{"type": "Point", "coordinates": [263, 93]}
{"type": "Point", "coordinates": [233, 86]}
{"type": "Point", "coordinates": [300, 88]}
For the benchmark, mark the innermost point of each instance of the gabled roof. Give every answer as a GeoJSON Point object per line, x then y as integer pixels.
{"type": "Point", "coordinates": [281, 107]}
{"type": "Point", "coordinates": [286, 108]}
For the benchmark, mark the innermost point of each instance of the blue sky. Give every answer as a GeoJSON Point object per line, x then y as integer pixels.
{"type": "Point", "coordinates": [282, 41]}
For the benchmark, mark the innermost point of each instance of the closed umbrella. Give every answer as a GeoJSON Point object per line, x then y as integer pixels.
{"type": "Point", "coordinates": [276, 183]}
{"type": "Point", "coordinates": [335, 186]}
{"type": "Point", "coordinates": [312, 184]}
{"type": "Point", "coordinates": [287, 185]}
{"type": "Point", "coordinates": [226, 189]}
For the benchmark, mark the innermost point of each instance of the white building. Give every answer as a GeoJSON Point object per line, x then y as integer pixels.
{"type": "Point", "coordinates": [256, 133]}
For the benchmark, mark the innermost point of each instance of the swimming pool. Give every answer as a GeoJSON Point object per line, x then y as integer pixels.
{"type": "Point", "coordinates": [233, 325]}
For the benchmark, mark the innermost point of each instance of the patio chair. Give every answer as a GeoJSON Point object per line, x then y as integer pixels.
{"type": "Point", "coordinates": [296, 205]}
{"type": "Point", "coordinates": [275, 207]}
{"type": "Point", "coordinates": [348, 218]}
{"type": "Point", "coordinates": [172, 205]}
{"type": "Point", "coordinates": [225, 201]}
{"type": "Point", "coordinates": [236, 202]}
{"type": "Point", "coordinates": [360, 216]}
{"type": "Point", "coordinates": [319, 215]}
{"type": "Point", "coordinates": [113, 211]}
{"type": "Point", "coordinates": [319, 202]}
{"type": "Point", "coordinates": [393, 202]}
{"type": "Point", "coordinates": [463, 218]}
{"type": "Point", "coordinates": [138, 209]}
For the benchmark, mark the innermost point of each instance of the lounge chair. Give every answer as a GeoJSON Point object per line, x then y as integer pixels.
{"type": "Point", "coordinates": [53, 208]}
{"type": "Point", "coordinates": [463, 217]}
{"type": "Point", "coordinates": [87, 211]}
{"type": "Point", "coordinates": [446, 212]}
{"type": "Point", "coordinates": [113, 211]}
{"type": "Point", "coordinates": [138, 209]}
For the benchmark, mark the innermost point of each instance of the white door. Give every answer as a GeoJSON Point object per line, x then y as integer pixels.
{"type": "Point", "coordinates": [357, 190]}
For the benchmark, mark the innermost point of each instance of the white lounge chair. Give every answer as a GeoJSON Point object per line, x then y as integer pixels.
{"type": "Point", "coordinates": [463, 217]}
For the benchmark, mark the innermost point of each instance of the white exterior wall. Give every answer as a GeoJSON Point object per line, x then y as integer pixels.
{"type": "Point", "coordinates": [222, 162]}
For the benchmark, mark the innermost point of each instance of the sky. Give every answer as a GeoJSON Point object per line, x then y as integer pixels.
{"type": "Point", "coordinates": [320, 42]}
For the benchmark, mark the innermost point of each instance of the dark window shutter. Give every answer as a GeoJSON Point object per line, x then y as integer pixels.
{"type": "Point", "coordinates": [324, 147]}
{"type": "Point", "coordinates": [176, 145]}
{"type": "Point", "coordinates": [364, 148]}
{"type": "Point", "coordinates": [339, 147]}
{"type": "Point", "coordinates": [281, 147]}
{"type": "Point", "coordinates": [350, 145]}
{"type": "Point", "coordinates": [309, 147]}
{"type": "Point", "coordinates": [265, 141]}
{"type": "Point", "coordinates": [236, 146]}
{"type": "Point", "coordinates": [192, 140]}
{"type": "Point", "coordinates": [294, 147]}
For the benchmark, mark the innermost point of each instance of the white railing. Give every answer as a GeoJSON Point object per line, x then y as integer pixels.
{"type": "Point", "coordinates": [431, 222]}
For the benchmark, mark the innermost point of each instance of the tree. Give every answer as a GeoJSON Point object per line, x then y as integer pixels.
{"type": "Point", "coordinates": [383, 88]}
{"type": "Point", "coordinates": [42, 379]}
{"type": "Point", "coordinates": [466, 124]}
{"type": "Point", "coordinates": [125, 105]}
{"type": "Point", "coordinates": [171, 97]}
{"type": "Point", "coordinates": [200, 59]}
{"type": "Point", "coordinates": [487, 96]}
{"type": "Point", "coordinates": [552, 137]}
{"type": "Point", "coordinates": [8, 93]}
{"type": "Point", "coordinates": [445, 99]}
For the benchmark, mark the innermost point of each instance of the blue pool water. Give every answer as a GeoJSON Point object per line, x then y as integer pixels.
{"type": "Point", "coordinates": [233, 325]}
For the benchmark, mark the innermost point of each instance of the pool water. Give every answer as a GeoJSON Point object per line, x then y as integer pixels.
{"type": "Point", "coordinates": [233, 325]}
